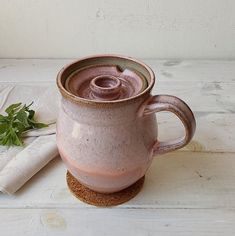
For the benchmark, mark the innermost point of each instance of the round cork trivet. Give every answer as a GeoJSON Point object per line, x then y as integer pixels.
{"type": "Point", "coordinates": [102, 199]}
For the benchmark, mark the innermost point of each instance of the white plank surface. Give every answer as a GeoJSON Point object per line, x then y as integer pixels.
{"type": "Point", "coordinates": [188, 192]}
{"type": "Point", "coordinates": [116, 222]}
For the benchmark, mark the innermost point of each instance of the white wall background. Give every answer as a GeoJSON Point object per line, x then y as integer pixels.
{"type": "Point", "coordinates": [140, 28]}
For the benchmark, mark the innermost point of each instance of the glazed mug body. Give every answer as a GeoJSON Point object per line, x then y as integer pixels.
{"type": "Point", "coordinates": [106, 149]}
{"type": "Point", "coordinates": [108, 146]}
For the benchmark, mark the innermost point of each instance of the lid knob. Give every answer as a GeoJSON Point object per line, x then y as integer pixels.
{"type": "Point", "coordinates": [105, 87]}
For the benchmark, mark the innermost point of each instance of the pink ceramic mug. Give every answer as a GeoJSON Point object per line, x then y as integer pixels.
{"type": "Point", "coordinates": [109, 145]}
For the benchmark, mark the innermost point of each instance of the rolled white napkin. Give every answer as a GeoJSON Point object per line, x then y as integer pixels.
{"type": "Point", "coordinates": [19, 164]}
{"type": "Point", "coordinates": [27, 163]}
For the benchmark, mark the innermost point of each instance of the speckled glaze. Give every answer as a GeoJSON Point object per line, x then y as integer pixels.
{"type": "Point", "coordinates": [108, 144]}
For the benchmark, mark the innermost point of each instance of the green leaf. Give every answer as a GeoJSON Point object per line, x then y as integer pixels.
{"type": "Point", "coordinates": [31, 114]}
{"type": "Point", "coordinates": [18, 119]}
{"type": "Point", "coordinates": [3, 128]}
{"type": "Point", "coordinates": [2, 118]}
{"type": "Point", "coordinates": [15, 138]}
{"type": "Point", "coordinates": [22, 116]}
{"type": "Point", "coordinates": [12, 108]}
{"type": "Point", "coordinates": [39, 125]}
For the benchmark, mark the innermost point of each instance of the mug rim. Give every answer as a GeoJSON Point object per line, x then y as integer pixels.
{"type": "Point", "coordinates": [66, 94]}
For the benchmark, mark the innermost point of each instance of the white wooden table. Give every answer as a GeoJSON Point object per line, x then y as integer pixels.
{"type": "Point", "coordinates": [187, 192]}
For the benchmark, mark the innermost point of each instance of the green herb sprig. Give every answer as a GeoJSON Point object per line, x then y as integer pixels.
{"type": "Point", "coordinates": [19, 119]}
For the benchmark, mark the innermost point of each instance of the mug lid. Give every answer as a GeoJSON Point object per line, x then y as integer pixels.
{"type": "Point", "coordinates": [105, 82]}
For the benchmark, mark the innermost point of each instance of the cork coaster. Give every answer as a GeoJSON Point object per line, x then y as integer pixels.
{"type": "Point", "coordinates": [102, 199]}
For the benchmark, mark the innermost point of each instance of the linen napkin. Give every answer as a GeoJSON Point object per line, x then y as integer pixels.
{"type": "Point", "coordinates": [19, 164]}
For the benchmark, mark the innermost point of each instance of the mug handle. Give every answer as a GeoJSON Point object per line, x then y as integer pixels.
{"type": "Point", "coordinates": [172, 104]}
